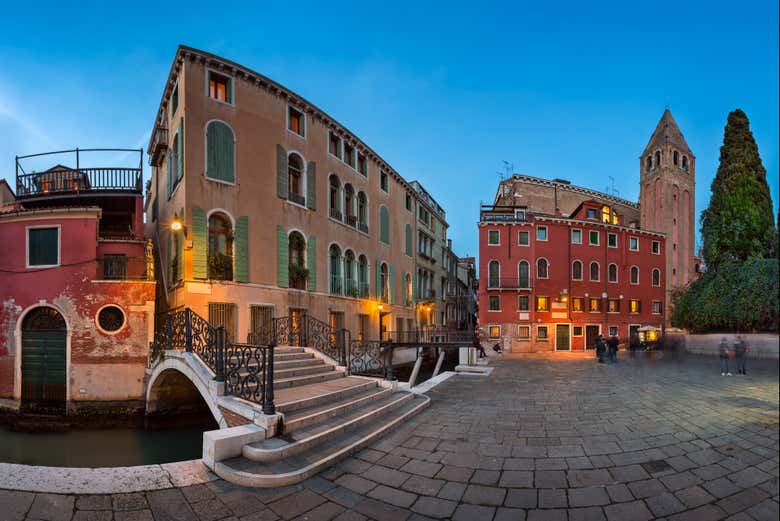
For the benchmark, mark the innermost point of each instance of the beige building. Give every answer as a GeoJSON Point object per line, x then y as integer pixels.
{"type": "Point", "coordinates": [281, 209]}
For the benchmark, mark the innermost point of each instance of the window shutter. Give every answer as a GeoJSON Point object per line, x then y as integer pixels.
{"type": "Point", "coordinates": [220, 152]}
{"type": "Point", "coordinates": [180, 156]}
{"type": "Point", "coordinates": [241, 245]}
{"type": "Point", "coordinates": [311, 263]}
{"type": "Point", "coordinates": [282, 255]}
{"type": "Point", "coordinates": [378, 279]}
{"type": "Point", "coordinates": [170, 170]}
{"type": "Point", "coordinates": [311, 185]}
{"type": "Point", "coordinates": [408, 240]}
{"type": "Point", "coordinates": [200, 243]}
{"type": "Point", "coordinates": [281, 172]}
{"type": "Point", "coordinates": [392, 285]}
{"type": "Point", "coordinates": [384, 225]}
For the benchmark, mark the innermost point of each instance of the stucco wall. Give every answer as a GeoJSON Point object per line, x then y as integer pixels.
{"type": "Point", "coordinates": [762, 345]}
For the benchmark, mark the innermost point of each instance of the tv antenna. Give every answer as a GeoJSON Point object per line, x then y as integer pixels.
{"type": "Point", "coordinates": [611, 190]}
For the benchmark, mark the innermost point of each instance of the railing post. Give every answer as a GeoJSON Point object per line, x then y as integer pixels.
{"type": "Point", "coordinates": [269, 407]}
{"type": "Point", "coordinates": [187, 330]}
{"type": "Point", "coordinates": [389, 368]}
{"type": "Point", "coordinates": [305, 329]}
{"type": "Point", "coordinates": [219, 358]}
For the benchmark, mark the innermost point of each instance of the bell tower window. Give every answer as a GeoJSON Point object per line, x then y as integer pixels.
{"type": "Point", "coordinates": [685, 163]}
{"type": "Point", "coordinates": [675, 158]}
{"type": "Point", "coordinates": [658, 158]}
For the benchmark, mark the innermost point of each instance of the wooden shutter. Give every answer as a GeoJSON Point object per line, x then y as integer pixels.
{"type": "Point", "coordinates": [220, 152]}
{"type": "Point", "coordinates": [241, 245]}
{"type": "Point", "coordinates": [408, 237]}
{"type": "Point", "coordinates": [384, 225]}
{"type": "Point", "coordinates": [180, 154]}
{"type": "Point", "coordinates": [281, 172]}
{"type": "Point", "coordinates": [282, 256]}
{"type": "Point", "coordinates": [378, 279]}
{"type": "Point", "coordinates": [392, 285]}
{"type": "Point", "coordinates": [311, 185]}
{"type": "Point", "coordinates": [170, 171]}
{"type": "Point", "coordinates": [200, 243]}
{"type": "Point", "coordinates": [311, 263]}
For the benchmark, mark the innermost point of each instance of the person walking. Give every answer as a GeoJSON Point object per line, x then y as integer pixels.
{"type": "Point", "coordinates": [600, 348]}
{"type": "Point", "coordinates": [478, 345]}
{"type": "Point", "coordinates": [612, 343]}
{"type": "Point", "coordinates": [723, 353]}
{"type": "Point", "coordinates": [740, 354]}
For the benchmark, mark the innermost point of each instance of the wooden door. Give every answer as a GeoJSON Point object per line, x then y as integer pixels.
{"type": "Point", "coordinates": [44, 359]}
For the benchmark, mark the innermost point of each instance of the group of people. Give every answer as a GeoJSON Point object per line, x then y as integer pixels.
{"type": "Point", "coordinates": [739, 353]}
{"type": "Point", "coordinates": [606, 347]}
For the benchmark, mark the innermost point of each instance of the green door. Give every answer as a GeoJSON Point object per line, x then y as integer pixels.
{"type": "Point", "coordinates": [562, 342]}
{"type": "Point", "coordinates": [44, 359]}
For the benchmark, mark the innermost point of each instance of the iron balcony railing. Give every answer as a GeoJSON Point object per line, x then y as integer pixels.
{"type": "Point", "coordinates": [122, 267]}
{"type": "Point", "coordinates": [335, 285]}
{"type": "Point", "coordinates": [297, 198]}
{"type": "Point", "coordinates": [352, 220]}
{"type": "Point", "coordinates": [335, 214]}
{"type": "Point", "coordinates": [158, 145]}
{"type": "Point", "coordinates": [363, 227]}
{"type": "Point", "coordinates": [508, 283]}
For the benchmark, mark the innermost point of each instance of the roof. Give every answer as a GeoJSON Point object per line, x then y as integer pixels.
{"type": "Point", "coordinates": [501, 196]}
{"type": "Point", "coordinates": [667, 132]}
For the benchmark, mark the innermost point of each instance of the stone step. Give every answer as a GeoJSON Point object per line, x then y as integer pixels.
{"type": "Point", "coordinates": [283, 357]}
{"type": "Point", "coordinates": [293, 443]}
{"type": "Point", "coordinates": [295, 362]}
{"type": "Point", "coordinates": [313, 368]}
{"type": "Point", "coordinates": [308, 416]}
{"type": "Point", "coordinates": [296, 468]}
{"type": "Point", "coordinates": [295, 381]}
{"type": "Point", "coordinates": [331, 391]}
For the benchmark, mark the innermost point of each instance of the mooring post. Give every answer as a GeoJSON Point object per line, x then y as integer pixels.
{"type": "Point", "coordinates": [438, 363]}
{"type": "Point", "coordinates": [416, 370]}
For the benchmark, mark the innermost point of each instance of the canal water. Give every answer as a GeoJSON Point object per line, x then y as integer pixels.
{"type": "Point", "coordinates": [117, 447]}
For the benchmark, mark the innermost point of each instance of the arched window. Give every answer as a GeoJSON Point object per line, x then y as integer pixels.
{"type": "Point", "coordinates": [362, 212]}
{"type": "Point", "coordinates": [594, 271]}
{"type": "Point", "coordinates": [335, 197]}
{"type": "Point", "coordinates": [408, 289]}
{"type": "Point", "coordinates": [362, 276]}
{"type": "Point", "coordinates": [649, 162]}
{"type": "Point", "coordinates": [220, 144]}
{"type": "Point", "coordinates": [384, 282]}
{"type": "Point", "coordinates": [220, 247]}
{"type": "Point", "coordinates": [349, 205]}
{"type": "Point", "coordinates": [634, 275]}
{"type": "Point", "coordinates": [612, 273]}
{"type": "Point", "coordinates": [295, 179]}
{"type": "Point", "coordinates": [494, 272]}
{"type": "Point", "coordinates": [657, 158]}
{"type": "Point", "coordinates": [335, 269]}
{"type": "Point", "coordinates": [384, 224]}
{"type": "Point", "coordinates": [297, 273]}
{"type": "Point", "coordinates": [676, 158]}
{"type": "Point", "coordinates": [576, 270]}
{"type": "Point", "coordinates": [685, 163]}
{"type": "Point", "coordinates": [350, 285]}
{"type": "Point", "coordinates": [657, 277]}
{"type": "Point", "coordinates": [523, 275]}
{"type": "Point", "coordinates": [542, 268]}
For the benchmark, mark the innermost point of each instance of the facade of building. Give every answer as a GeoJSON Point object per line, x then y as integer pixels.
{"type": "Point", "coordinates": [279, 210]}
{"type": "Point", "coordinates": [77, 290]}
{"type": "Point", "coordinates": [466, 288]}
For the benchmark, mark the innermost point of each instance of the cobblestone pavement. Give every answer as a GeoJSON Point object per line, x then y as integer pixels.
{"type": "Point", "coordinates": [544, 438]}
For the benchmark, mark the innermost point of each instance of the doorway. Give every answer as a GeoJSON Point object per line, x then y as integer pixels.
{"type": "Point", "coordinates": [261, 323]}
{"type": "Point", "coordinates": [297, 326]}
{"type": "Point", "coordinates": [44, 354]}
{"type": "Point", "coordinates": [562, 337]}
{"type": "Point", "coordinates": [591, 333]}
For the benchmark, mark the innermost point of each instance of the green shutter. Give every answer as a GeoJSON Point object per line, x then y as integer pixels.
{"type": "Point", "coordinates": [311, 263]}
{"type": "Point", "coordinates": [200, 244]}
{"type": "Point", "coordinates": [281, 172]}
{"type": "Point", "coordinates": [220, 152]}
{"type": "Point", "coordinates": [283, 257]}
{"type": "Point", "coordinates": [242, 249]}
{"type": "Point", "coordinates": [180, 156]}
{"type": "Point", "coordinates": [378, 279]}
{"type": "Point", "coordinates": [170, 170]}
{"type": "Point", "coordinates": [408, 239]}
{"type": "Point", "coordinates": [392, 285]}
{"type": "Point", "coordinates": [311, 185]}
{"type": "Point", "coordinates": [384, 224]}
{"type": "Point", "coordinates": [43, 246]}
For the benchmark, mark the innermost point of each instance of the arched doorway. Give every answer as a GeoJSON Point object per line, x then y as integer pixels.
{"type": "Point", "coordinates": [44, 353]}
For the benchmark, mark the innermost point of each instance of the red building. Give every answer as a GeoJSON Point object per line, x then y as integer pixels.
{"type": "Point", "coordinates": [76, 289]}
{"type": "Point", "coordinates": [554, 282]}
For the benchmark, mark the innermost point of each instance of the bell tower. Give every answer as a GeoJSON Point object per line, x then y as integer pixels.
{"type": "Point", "coordinates": [666, 200]}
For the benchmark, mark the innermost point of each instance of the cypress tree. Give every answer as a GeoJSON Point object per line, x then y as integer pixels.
{"type": "Point", "coordinates": [739, 222]}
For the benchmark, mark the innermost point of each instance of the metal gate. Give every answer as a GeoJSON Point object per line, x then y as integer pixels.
{"type": "Point", "coordinates": [44, 338]}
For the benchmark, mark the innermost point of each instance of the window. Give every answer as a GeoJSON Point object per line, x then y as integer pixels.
{"type": "Point", "coordinates": [334, 270]}
{"type": "Point", "coordinates": [612, 273]}
{"type": "Point", "coordinates": [658, 158]}
{"type": "Point", "coordinates": [296, 121]}
{"type": "Point", "coordinates": [494, 303]}
{"type": "Point", "coordinates": [541, 333]}
{"type": "Point", "coordinates": [494, 269]}
{"type": "Point", "coordinates": [335, 197]}
{"type": "Point", "coordinates": [613, 305]}
{"type": "Point", "coordinates": [613, 330]}
{"type": "Point", "coordinates": [657, 307]}
{"type": "Point", "coordinates": [43, 247]}
{"type": "Point", "coordinates": [685, 163]}
{"type": "Point", "coordinates": [349, 205]}
{"type": "Point", "coordinates": [522, 303]}
{"type": "Point", "coordinates": [633, 243]}
{"type": "Point", "coordinates": [634, 306]}
{"type": "Point", "coordinates": [494, 331]}
{"type": "Point", "coordinates": [656, 247]}
{"type": "Point", "coordinates": [649, 162]}
{"type": "Point", "coordinates": [593, 238]}
{"type": "Point", "coordinates": [220, 87]}
{"type": "Point", "coordinates": [523, 275]}
{"type": "Point", "coordinates": [675, 158]}
{"type": "Point", "coordinates": [220, 155]}
{"type": "Point", "coordinates": [576, 331]}
{"type": "Point", "coordinates": [363, 276]}
{"type": "Point", "coordinates": [541, 233]}
{"type": "Point", "coordinates": [594, 305]}
{"type": "Point", "coordinates": [612, 240]}
{"type": "Point", "coordinates": [524, 332]}
{"type": "Point", "coordinates": [576, 270]}
{"type": "Point", "coordinates": [334, 145]}
{"type": "Point", "coordinates": [220, 258]}
{"type": "Point", "coordinates": [542, 303]}
{"type": "Point", "coordinates": [408, 202]}
{"type": "Point", "coordinates": [384, 224]}
{"type": "Point", "coordinates": [634, 277]}
{"type": "Point", "coordinates": [114, 266]}
{"type": "Point", "coordinates": [523, 238]}
{"type": "Point", "coordinates": [349, 155]}
{"type": "Point", "coordinates": [297, 273]}
{"type": "Point", "coordinates": [493, 238]}
{"type": "Point", "coordinates": [384, 182]}
{"type": "Point", "coordinates": [577, 304]}
{"type": "Point", "coordinates": [591, 213]}
{"type": "Point", "coordinates": [656, 277]}
{"type": "Point", "coordinates": [111, 319]}
{"type": "Point", "coordinates": [542, 268]}
{"type": "Point", "coordinates": [362, 165]}
{"type": "Point", "coordinates": [594, 271]}
{"type": "Point", "coordinates": [608, 215]}
{"type": "Point", "coordinates": [295, 179]}
{"type": "Point", "coordinates": [174, 100]}
{"type": "Point", "coordinates": [223, 314]}
{"type": "Point", "coordinates": [576, 236]}
{"type": "Point", "coordinates": [520, 215]}
{"type": "Point", "coordinates": [362, 212]}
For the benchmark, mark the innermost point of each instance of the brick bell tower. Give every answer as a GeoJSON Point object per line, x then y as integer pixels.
{"type": "Point", "coordinates": [666, 200]}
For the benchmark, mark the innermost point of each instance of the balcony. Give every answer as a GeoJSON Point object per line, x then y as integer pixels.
{"type": "Point", "coordinates": [335, 285]}
{"type": "Point", "coordinates": [508, 283]}
{"type": "Point", "coordinates": [158, 144]}
{"type": "Point", "coordinates": [335, 214]}
{"type": "Point", "coordinates": [123, 267]}
{"type": "Point", "coordinates": [297, 198]}
{"type": "Point", "coordinates": [61, 181]}
{"type": "Point", "coordinates": [363, 227]}
{"type": "Point", "coordinates": [352, 220]}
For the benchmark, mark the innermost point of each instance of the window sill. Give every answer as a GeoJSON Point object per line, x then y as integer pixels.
{"type": "Point", "coordinates": [296, 205]}
{"type": "Point", "coordinates": [221, 102]}
{"type": "Point", "coordinates": [42, 266]}
{"type": "Point", "coordinates": [220, 181]}
{"type": "Point", "coordinates": [294, 133]}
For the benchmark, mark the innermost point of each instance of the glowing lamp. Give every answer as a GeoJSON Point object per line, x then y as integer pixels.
{"type": "Point", "coordinates": [177, 225]}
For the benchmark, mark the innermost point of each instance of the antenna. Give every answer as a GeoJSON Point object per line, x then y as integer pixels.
{"type": "Point", "coordinates": [611, 190]}
{"type": "Point", "coordinates": [509, 167]}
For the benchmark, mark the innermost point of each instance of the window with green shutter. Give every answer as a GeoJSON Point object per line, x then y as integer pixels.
{"type": "Point", "coordinates": [199, 243]}
{"type": "Point", "coordinates": [311, 262]}
{"type": "Point", "coordinates": [408, 237]}
{"type": "Point", "coordinates": [220, 153]}
{"type": "Point", "coordinates": [180, 151]}
{"type": "Point", "coordinates": [282, 256]}
{"type": "Point", "coordinates": [384, 224]}
{"type": "Point", "coordinates": [282, 185]}
{"type": "Point", "coordinates": [242, 249]}
{"type": "Point", "coordinates": [43, 247]}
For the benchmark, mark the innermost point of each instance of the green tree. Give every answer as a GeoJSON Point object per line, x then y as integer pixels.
{"type": "Point", "coordinates": [739, 222]}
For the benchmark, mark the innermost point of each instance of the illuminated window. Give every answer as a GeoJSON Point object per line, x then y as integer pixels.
{"type": "Point", "coordinates": [542, 303]}
{"type": "Point", "coordinates": [577, 304]}
{"type": "Point", "coordinates": [605, 214]}
{"type": "Point", "coordinates": [541, 332]}
{"type": "Point", "coordinates": [594, 305]}
{"type": "Point", "coordinates": [613, 305]}
{"type": "Point", "coordinates": [220, 87]}
{"type": "Point", "coordinates": [634, 306]}
{"type": "Point", "coordinates": [494, 331]}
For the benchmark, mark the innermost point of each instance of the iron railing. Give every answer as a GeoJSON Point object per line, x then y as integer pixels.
{"type": "Point", "coordinates": [432, 336]}
{"type": "Point", "coordinates": [297, 198]}
{"type": "Point", "coordinates": [370, 358]}
{"type": "Point", "coordinates": [305, 330]}
{"type": "Point", "coordinates": [249, 373]}
{"type": "Point", "coordinates": [508, 283]}
{"type": "Point", "coordinates": [123, 267]}
{"type": "Point", "coordinates": [363, 227]}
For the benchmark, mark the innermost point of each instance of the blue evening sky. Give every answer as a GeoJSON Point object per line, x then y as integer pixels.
{"type": "Point", "coordinates": [445, 93]}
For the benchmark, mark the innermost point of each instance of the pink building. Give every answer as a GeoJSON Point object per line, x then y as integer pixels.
{"type": "Point", "coordinates": [76, 290]}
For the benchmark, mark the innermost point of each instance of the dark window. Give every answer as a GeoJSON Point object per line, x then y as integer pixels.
{"type": "Point", "coordinates": [541, 332]}
{"type": "Point", "coordinates": [493, 238]}
{"type": "Point", "coordinates": [334, 144]}
{"type": "Point", "coordinates": [656, 277]}
{"type": "Point", "coordinates": [383, 182]}
{"type": "Point", "coordinates": [175, 99]}
{"type": "Point", "coordinates": [541, 233]}
{"type": "Point", "coordinates": [296, 121]}
{"type": "Point", "coordinates": [111, 318]}
{"type": "Point", "coordinates": [541, 269]}
{"type": "Point", "coordinates": [523, 331]}
{"type": "Point", "coordinates": [494, 303]}
{"type": "Point", "coordinates": [297, 272]}
{"type": "Point", "coordinates": [409, 202]}
{"type": "Point", "coordinates": [576, 331]}
{"type": "Point", "coordinates": [657, 307]}
{"type": "Point", "coordinates": [295, 179]}
{"type": "Point", "coordinates": [576, 270]}
{"type": "Point", "coordinates": [493, 274]}
{"type": "Point", "coordinates": [685, 163]}
{"type": "Point", "coordinates": [612, 273]}
{"type": "Point", "coordinates": [612, 240]}
{"type": "Point", "coordinates": [593, 238]}
{"type": "Point", "coordinates": [223, 314]}
{"type": "Point", "coordinates": [43, 247]}
{"type": "Point", "coordinates": [675, 158]}
{"type": "Point", "coordinates": [634, 275]}
{"type": "Point", "coordinates": [591, 213]}
{"type": "Point", "coordinates": [349, 155]}
{"type": "Point", "coordinates": [523, 238]}
{"type": "Point", "coordinates": [523, 276]}
{"type": "Point", "coordinates": [522, 303]}
{"type": "Point", "coordinates": [576, 236]}
{"type": "Point", "coordinates": [362, 165]}
{"type": "Point", "coordinates": [114, 267]}
{"type": "Point", "coordinates": [219, 87]}
{"type": "Point", "coordinates": [220, 259]}
{"type": "Point", "coordinates": [656, 247]}
{"type": "Point", "coordinates": [594, 271]}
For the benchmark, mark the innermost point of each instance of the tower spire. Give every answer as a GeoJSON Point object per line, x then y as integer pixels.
{"type": "Point", "coordinates": [667, 132]}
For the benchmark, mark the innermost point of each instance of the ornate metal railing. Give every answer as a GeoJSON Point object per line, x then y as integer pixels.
{"type": "Point", "coordinates": [305, 330]}
{"type": "Point", "coordinates": [249, 373]}
{"type": "Point", "coordinates": [81, 180]}
{"type": "Point", "coordinates": [432, 336]}
{"type": "Point", "coordinates": [370, 358]}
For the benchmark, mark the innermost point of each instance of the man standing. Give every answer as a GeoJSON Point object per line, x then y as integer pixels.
{"type": "Point", "coordinates": [740, 353]}
{"type": "Point", "coordinates": [600, 348]}
{"type": "Point", "coordinates": [723, 353]}
{"type": "Point", "coordinates": [612, 343]}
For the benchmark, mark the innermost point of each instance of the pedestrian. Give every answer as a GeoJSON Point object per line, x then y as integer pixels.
{"type": "Point", "coordinates": [497, 348]}
{"type": "Point", "coordinates": [740, 353]}
{"type": "Point", "coordinates": [478, 345]}
{"type": "Point", "coordinates": [723, 353]}
{"type": "Point", "coordinates": [600, 348]}
{"type": "Point", "coordinates": [612, 343]}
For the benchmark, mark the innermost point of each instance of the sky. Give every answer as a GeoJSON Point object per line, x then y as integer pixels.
{"type": "Point", "coordinates": [447, 94]}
